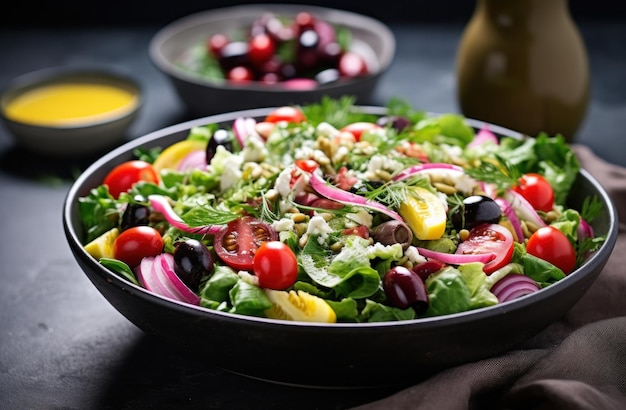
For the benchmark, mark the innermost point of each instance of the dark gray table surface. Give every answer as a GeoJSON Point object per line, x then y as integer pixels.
{"type": "Point", "coordinates": [63, 346]}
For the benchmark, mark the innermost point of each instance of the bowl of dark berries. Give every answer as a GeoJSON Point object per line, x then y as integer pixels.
{"type": "Point", "coordinates": [252, 56]}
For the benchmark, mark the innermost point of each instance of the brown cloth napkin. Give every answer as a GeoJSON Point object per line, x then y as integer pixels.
{"type": "Point", "coordinates": [578, 362]}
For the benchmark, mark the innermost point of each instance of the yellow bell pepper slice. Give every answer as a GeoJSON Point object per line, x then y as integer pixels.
{"type": "Point", "coordinates": [171, 156]}
{"type": "Point", "coordinates": [102, 246]}
{"type": "Point", "coordinates": [425, 214]}
{"type": "Point", "coordinates": [299, 306]}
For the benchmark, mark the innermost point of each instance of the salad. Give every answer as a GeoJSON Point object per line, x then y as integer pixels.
{"type": "Point", "coordinates": [327, 213]}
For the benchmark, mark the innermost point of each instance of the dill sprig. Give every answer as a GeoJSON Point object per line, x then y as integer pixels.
{"type": "Point", "coordinates": [336, 112]}
{"type": "Point", "coordinates": [262, 209]}
{"type": "Point", "coordinates": [591, 208]}
{"type": "Point", "coordinates": [496, 170]}
{"type": "Point", "coordinates": [393, 194]}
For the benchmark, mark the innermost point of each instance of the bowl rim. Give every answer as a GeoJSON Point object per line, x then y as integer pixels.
{"type": "Point", "coordinates": [56, 74]}
{"type": "Point", "coordinates": [203, 17]}
{"type": "Point", "coordinates": [595, 262]}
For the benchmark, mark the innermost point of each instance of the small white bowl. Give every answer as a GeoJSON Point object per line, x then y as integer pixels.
{"type": "Point", "coordinates": [203, 96]}
{"type": "Point", "coordinates": [77, 125]}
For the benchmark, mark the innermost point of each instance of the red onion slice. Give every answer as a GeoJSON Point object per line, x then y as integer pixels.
{"type": "Point", "coordinates": [509, 211]}
{"type": "Point", "coordinates": [244, 128]}
{"type": "Point", "coordinates": [160, 204]}
{"type": "Point", "coordinates": [512, 286]}
{"type": "Point", "coordinates": [348, 198]}
{"type": "Point", "coordinates": [482, 136]}
{"type": "Point", "coordinates": [434, 166]}
{"type": "Point", "coordinates": [149, 277]}
{"type": "Point", "coordinates": [175, 284]}
{"type": "Point", "coordinates": [195, 159]}
{"type": "Point", "coordinates": [523, 208]}
{"type": "Point", "coordinates": [456, 258]}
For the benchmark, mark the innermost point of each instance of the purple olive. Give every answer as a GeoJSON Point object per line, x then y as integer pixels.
{"type": "Point", "coordinates": [396, 122]}
{"type": "Point", "coordinates": [405, 289]}
{"type": "Point", "coordinates": [393, 231]}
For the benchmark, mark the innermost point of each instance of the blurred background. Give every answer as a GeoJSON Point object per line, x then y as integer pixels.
{"type": "Point", "coordinates": [142, 12]}
{"type": "Point", "coordinates": [114, 33]}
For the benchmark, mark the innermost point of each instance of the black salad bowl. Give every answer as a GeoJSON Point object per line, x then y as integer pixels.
{"type": "Point", "coordinates": [333, 355]}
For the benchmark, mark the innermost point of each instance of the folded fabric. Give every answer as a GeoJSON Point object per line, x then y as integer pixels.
{"type": "Point", "coordinates": [579, 362]}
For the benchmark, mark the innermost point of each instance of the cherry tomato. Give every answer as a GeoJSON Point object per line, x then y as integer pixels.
{"type": "Point", "coordinates": [237, 243]}
{"type": "Point", "coordinates": [217, 42]}
{"type": "Point", "coordinates": [536, 190]}
{"type": "Point", "coordinates": [264, 128]}
{"type": "Point", "coordinates": [358, 128]}
{"type": "Point", "coordinates": [240, 74]}
{"type": "Point", "coordinates": [286, 113]}
{"type": "Point", "coordinates": [307, 165]}
{"type": "Point", "coordinates": [261, 48]}
{"type": "Point", "coordinates": [135, 243]}
{"type": "Point", "coordinates": [492, 238]}
{"type": "Point", "coordinates": [124, 176]}
{"type": "Point", "coordinates": [352, 65]}
{"type": "Point", "coordinates": [552, 245]}
{"type": "Point", "coordinates": [275, 265]}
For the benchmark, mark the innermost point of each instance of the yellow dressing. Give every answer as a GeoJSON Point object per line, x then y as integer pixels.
{"type": "Point", "coordinates": [70, 103]}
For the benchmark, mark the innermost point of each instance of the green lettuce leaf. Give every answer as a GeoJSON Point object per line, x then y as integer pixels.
{"type": "Point", "coordinates": [376, 312]}
{"type": "Point", "coordinates": [216, 288]}
{"type": "Point", "coordinates": [248, 299]}
{"type": "Point", "coordinates": [349, 273]}
{"type": "Point", "coordinates": [447, 293]}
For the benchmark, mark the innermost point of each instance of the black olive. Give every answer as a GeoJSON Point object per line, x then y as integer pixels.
{"type": "Point", "coordinates": [192, 262]}
{"type": "Point", "coordinates": [234, 54]}
{"type": "Point", "coordinates": [219, 137]}
{"type": "Point", "coordinates": [135, 214]}
{"type": "Point", "coordinates": [476, 210]}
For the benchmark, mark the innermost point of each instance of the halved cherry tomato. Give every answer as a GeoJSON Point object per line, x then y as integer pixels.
{"type": "Point", "coordinates": [124, 176]}
{"type": "Point", "coordinates": [135, 243]}
{"type": "Point", "coordinates": [264, 128]}
{"type": "Point", "coordinates": [361, 230]}
{"type": "Point", "coordinates": [286, 113]}
{"type": "Point", "coordinates": [536, 190]}
{"type": "Point", "coordinates": [307, 165]}
{"type": "Point", "coordinates": [493, 238]}
{"type": "Point", "coordinates": [358, 128]}
{"type": "Point", "coordinates": [344, 180]}
{"type": "Point", "coordinates": [550, 244]}
{"type": "Point", "coordinates": [275, 265]}
{"type": "Point", "coordinates": [237, 243]}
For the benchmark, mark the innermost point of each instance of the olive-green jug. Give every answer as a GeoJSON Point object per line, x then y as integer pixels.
{"type": "Point", "coordinates": [522, 64]}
